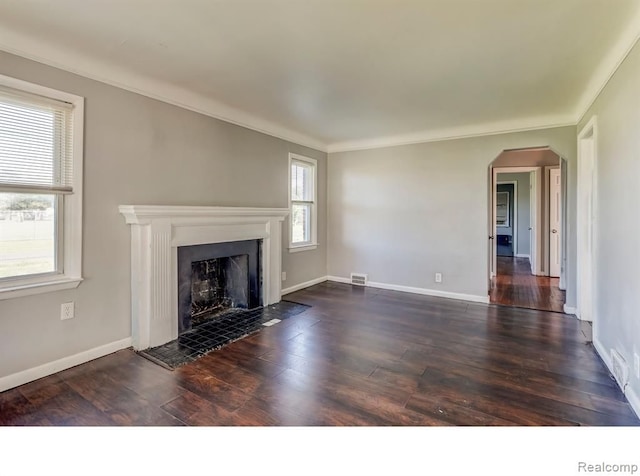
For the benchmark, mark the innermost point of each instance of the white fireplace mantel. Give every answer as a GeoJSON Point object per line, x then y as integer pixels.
{"type": "Point", "coordinates": [156, 233]}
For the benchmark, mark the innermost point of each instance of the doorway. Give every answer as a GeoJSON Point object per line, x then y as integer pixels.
{"type": "Point", "coordinates": [526, 229]}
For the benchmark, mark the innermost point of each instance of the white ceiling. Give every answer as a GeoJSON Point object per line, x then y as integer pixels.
{"type": "Point", "coordinates": [341, 74]}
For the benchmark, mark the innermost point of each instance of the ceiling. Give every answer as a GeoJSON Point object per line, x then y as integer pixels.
{"type": "Point", "coordinates": [341, 74]}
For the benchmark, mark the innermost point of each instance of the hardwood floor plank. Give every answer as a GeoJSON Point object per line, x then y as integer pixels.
{"type": "Point", "coordinates": [357, 357]}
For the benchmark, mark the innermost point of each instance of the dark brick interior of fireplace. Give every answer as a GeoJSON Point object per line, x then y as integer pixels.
{"type": "Point", "coordinates": [215, 277]}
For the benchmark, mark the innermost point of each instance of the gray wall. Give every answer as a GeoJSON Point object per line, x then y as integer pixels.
{"type": "Point", "coordinates": [142, 151]}
{"type": "Point", "coordinates": [617, 277]}
{"type": "Point", "coordinates": [524, 210]}
{"type": "Point", "coordinates": [403, 213]}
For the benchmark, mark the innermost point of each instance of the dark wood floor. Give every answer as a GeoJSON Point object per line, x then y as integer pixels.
{"type": "Point", "coordinates": [514, 285]}
{"type": "Point", "coordinates": [359, 356]}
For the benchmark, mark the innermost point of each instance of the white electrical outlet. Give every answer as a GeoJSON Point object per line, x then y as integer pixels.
{"type": "Point", "coordinates": [66, 310]}
{"type": "Point", "coordinates": [284, 275]}
{"type": "Point", "coordinates": [636, 364]}
{"type": "Point", "coordinates": [438, 277]}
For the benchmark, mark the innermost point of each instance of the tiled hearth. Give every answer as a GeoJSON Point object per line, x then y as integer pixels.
{"type": "Point", "coordinates": [220, 330]}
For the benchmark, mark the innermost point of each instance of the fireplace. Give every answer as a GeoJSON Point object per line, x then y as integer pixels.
{"type": "Point", "coordinates": [158, 233]}
{"type": "Point", "coordinates": [215, 277]}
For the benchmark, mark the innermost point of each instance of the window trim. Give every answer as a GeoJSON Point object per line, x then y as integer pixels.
{"type": "Point", "coordinates": [313, 243]}
{"type": "Point", "coordinates": [70, 220]}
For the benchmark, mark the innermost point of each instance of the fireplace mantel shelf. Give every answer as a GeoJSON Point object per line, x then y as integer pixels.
{"type": "Point", "coordinates": [142, 214]}
{"type": "Point", "coordinates": [156, 233]}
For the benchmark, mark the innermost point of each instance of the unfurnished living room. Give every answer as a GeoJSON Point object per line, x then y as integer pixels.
{"type": "Point", "coordinates": [308, 213]}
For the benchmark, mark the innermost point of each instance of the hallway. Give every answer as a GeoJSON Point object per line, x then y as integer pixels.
{"type": "Point", "coordinates": [514, 285]}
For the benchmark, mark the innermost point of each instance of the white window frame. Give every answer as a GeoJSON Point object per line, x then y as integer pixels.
{"type": "Point", "coordinates": [313, 221]}
{"type": "Point", "coordinates": [69, 219]}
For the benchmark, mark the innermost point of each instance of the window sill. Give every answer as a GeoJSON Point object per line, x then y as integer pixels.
{"type": "Point", "coordinates": [295, 249]}
{"type": "Point", "coordinates": [47, 284]}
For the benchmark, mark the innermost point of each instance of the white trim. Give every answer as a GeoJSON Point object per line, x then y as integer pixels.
{"type": "Point", "coordinates": [44, 284]}
{"type": "Point", "coordinates": [156, 234]}
{"type": "Point", "coordinates": [71, 214]}
{"type": "Point", "coordinates": [522, 255]}
{"type": "Point", "coordinates": [296, 249]}
{"type": "Point", "coordinates": [608, 66]}
{"type": "Point", "coordinates": [464, 132]}
{"type": "Point", "coordinates": [34, 373]}
{"type": "Point", "coordinates": [412, 290]}
{"type": "Point", "coordinates": [586, 259]}
{"type": "Point", "coordinates": [313, 244]}
{"type": "Point", "coordinates": [304, 285]}
{"type": "Point", "coordinates": [628, 392]}
{"type": "Point", "coordinates": [569, 310]}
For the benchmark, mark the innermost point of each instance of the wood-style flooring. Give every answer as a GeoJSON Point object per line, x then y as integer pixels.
{"type": "Point", "coordinates": [514, 285]}
{"type": "Point", "coordinates": [358, 356]}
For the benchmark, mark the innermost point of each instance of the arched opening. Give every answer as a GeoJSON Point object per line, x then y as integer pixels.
{"type": "Point", "coordinates": [527, 229]}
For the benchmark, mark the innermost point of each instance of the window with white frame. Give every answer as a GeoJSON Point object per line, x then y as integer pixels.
{"type": "Point", "coordinates": [40, 188]}
{"type": "Point", "coordinates": [303, 220]}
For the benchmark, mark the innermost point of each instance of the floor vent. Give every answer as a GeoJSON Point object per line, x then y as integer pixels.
{"type": "Point", "coordinates": [358, 279]}
{"type": "Point", "coordinates": [620, 368]}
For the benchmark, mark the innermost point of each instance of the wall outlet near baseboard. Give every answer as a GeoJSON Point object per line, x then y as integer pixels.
{"type": "Point", "coordinates": [636, 364]}
{"type": "Point", "coordinates": [67, 310]}
{"type": "Point", "coordinates": [438, 277]}
{"type": "Point", "coordinates": [284, 275]}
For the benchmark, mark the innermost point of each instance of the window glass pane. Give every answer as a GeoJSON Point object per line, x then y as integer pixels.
{"type": "Point", "coordinates": [301, 182]}
{"type": "Point", "coordinates": [27, 234]}
{"type": "Point", "coordinates": [300, 222]}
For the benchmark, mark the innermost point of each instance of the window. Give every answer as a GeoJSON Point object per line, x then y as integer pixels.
{"type": "Point", "coordinates": [303, 219]}
{"type": "Point", "coordinates": [40, 188]}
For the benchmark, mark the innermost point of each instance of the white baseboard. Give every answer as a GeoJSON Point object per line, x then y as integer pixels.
{"type": "Point", "coordinates": [29, 375]}
{"type": "Point", "coordinates": [338, 279]}
{"type": "Point", "coordinates": [519, 255]}
{"type": "Point", "coordinates": [570, 310]}
{"type": "Point", "coordinates": [632, 396]}
{"type": "Point", "coordinates": [423, 291]}
{"type": "Point", "coordinates": [306, 284]}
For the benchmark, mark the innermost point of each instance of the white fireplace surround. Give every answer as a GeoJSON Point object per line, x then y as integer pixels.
{"type": "Point", "coordinates": [156, 233]}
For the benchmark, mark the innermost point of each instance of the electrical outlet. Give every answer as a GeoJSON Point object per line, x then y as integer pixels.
{"type": "Point", "coordinates": [67, 310]}
{"type": "Point", "coordinates": [636, 364]}
{"type": "Point", "coordinates": [284, 275]}
{"type": "Point", "coordinates": [438, 277]}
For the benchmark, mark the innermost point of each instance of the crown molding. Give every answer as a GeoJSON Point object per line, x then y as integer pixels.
{"type": "Point", "coordinates": [466, 132]}
{"type": "Point", "coordinates": [609, 65]}
{"type": "Point", "coordinates": [86, 66]}
{"type": "Point", "coordinates": [74, 62]}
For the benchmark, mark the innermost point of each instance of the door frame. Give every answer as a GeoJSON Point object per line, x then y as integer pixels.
{"type": "Point", "coordinates": [586, 217]}
{"type": "Point", "coordinates": [536, 192]}
{"type": "Point", "coordinates": [547, 220]}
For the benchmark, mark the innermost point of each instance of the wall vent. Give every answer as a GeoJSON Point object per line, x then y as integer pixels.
{"type": "Point", "coordinates": [358, 279]}
{"type": "Point", "coordinates": [620, 368]}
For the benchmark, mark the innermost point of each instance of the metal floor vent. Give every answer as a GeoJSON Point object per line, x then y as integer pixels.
{"type": "Point", "coordinates": [358, 279]}
{"type": "Point", "coordinates": [620, 368]}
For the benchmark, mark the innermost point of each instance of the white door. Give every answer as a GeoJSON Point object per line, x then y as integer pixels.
{"type": "Point", "coordinates": [533, 214]}
{"type": "Point", "coordinates": [555, 221]}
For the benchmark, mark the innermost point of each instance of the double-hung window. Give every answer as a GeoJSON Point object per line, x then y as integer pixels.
{"type": "Point", "coordinates": [303, 220]}
{"type": "Point", "coordinates": [40, 188]}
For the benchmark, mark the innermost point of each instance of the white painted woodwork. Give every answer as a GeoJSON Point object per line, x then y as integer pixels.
{"type": "Point", "coordinates": [156, 233]}
{"type": "Point", "coordinates": [586, 218]}
{"type": "Point", "coordinates": [342, 75]}
{"type": "Point", "coordinates": [555, 222]}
